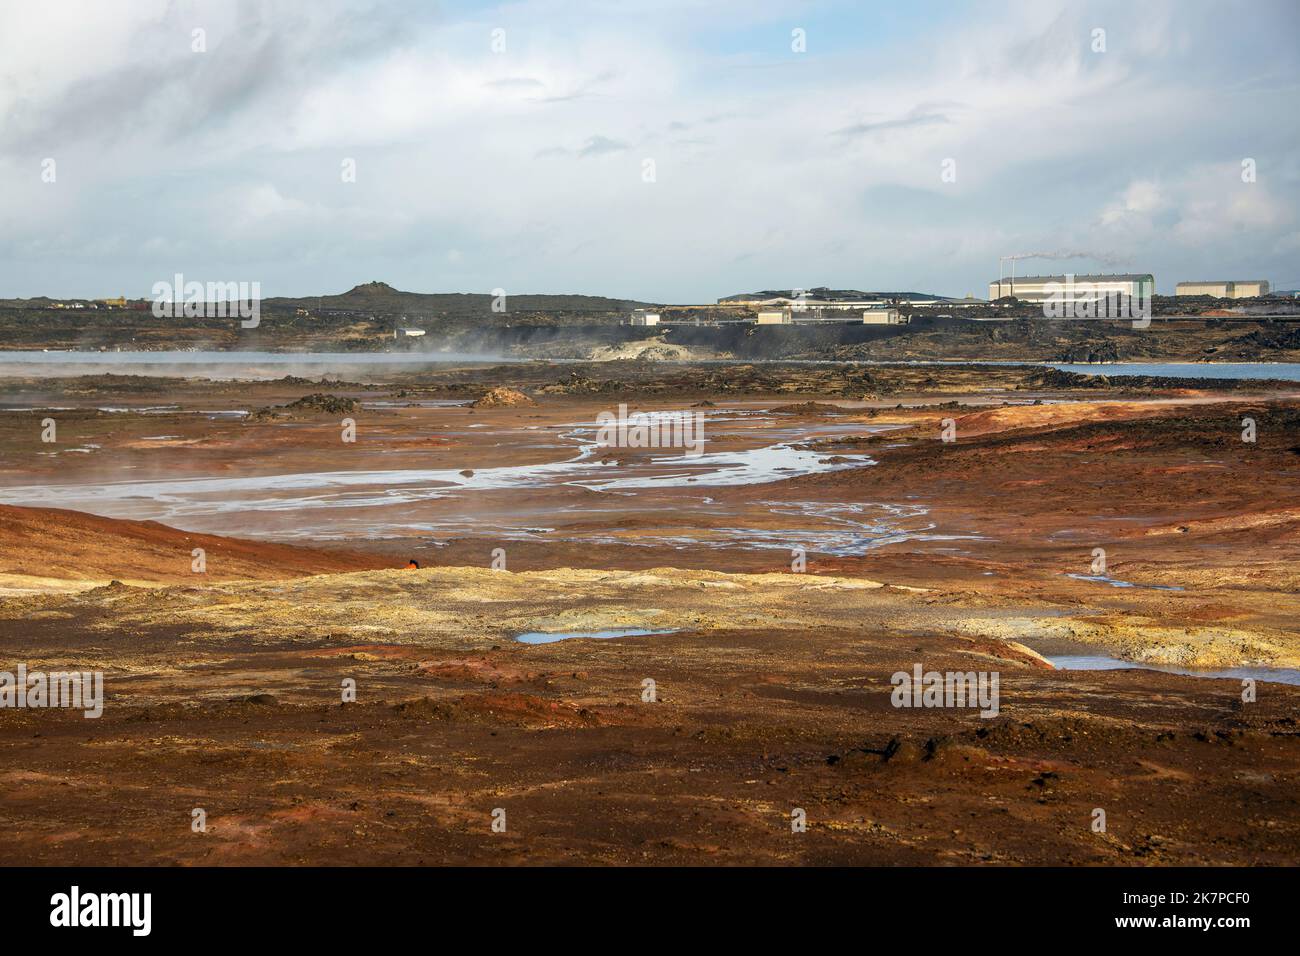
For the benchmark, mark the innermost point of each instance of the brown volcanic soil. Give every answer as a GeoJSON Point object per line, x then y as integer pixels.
{"type": "Point", "coordinates": [1170, 492]}
{"type": "Point", "coordinates": [774, 690]}
{"type": "Point", "coordinates": [752, 720]}
{"type": "Point", "coordinates": [40, 544]}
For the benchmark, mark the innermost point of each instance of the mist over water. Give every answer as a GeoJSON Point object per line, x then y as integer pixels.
{"type": "Point", "coordinates": [219, 365]}
{"type": "Point", "coordinates": [232, 365]}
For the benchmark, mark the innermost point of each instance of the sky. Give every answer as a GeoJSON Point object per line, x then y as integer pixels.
{"type": "Point", "coordinates": [647, 150]}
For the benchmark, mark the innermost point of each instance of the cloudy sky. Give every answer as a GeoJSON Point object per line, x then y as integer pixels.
{"type": "Point", "coordinates": [642, 149]}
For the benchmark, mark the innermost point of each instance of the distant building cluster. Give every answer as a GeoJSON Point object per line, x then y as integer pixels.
{"type": "Point", "coordinates": [119, 303]}
{"type": "Point", "coordinates": [846, 301]}
{"type": "Point", "coordinates": [1134, 285]}
{"type": "Point", "coordinates": [794, 316]}
{"type": "Point", "coordinates": [810, 306]}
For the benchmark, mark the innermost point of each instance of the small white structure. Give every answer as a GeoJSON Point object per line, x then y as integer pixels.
{"type": "Point", "coordinates": [883, 317]}
{"type": "Point", "coordinates": [407, 333]}
{"type": "Point", "coordinates": [774, 317]}
{"type": "Point", "coordinates": [643, 317]}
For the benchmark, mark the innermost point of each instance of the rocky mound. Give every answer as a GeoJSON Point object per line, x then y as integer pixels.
{"type": "Point", "coordinates": [1090, 352]}
{"type": "Point", "coordinates": [654, 350]}
{"type": "Point", "coordinates": [322, 402]}
{"type": "Point", "coordinates": [1055, 378]}
{"type": "Point", "coordinates": [577, 384]}
{"type": "Point", "coordinates": [316, 403]}
{"type": "Point", "coordinates": [1285, 338]}
{"type": "Point", "coordinates": [502, 397]}
{"type": "Point", "coordinates": [808, 408]}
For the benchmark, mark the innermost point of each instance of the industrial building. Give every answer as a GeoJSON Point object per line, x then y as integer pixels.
{"type": "Point", "coordinates": [1230, 289]}
{"type": "Point", "coordinates": [644, 317]}
{"type": "Point", "coordinates": [1071, 288]}
{"type": "Point", "coordinates": [817, 315]}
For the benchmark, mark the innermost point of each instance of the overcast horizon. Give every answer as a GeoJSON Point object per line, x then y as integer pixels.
{"type": "Point", "coordinates": [646, 151]}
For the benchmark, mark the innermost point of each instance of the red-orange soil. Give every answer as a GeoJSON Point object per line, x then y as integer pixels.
{"type": "Point", "coordinates": [773, 689]}
{"type": "Point", "coordinates": [73, 546]}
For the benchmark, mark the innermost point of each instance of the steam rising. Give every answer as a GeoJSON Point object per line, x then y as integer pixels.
{"type": "Point", "coordinates": [1103, 257]}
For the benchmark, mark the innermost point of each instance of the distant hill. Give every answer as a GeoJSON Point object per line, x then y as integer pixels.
{"type": "Point", "coordinates": [382, 297]}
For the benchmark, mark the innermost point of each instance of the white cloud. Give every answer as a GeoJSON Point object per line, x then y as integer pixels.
{"type": "Point", "coordinates": [771, 169]}
{"type": "Point", "coordinates": [1204, 204]}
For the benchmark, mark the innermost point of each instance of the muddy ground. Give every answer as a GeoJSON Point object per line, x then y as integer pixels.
{"type": "Point", "coordinates": [772, 688]}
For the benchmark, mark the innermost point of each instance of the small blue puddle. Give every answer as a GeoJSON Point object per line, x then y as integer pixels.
{"type": "Point", "coordinates": [1113, 582]}
{"type": "Point", "coordinates": [1100, 662]}
{"type": "Point", "coordinates": [550, 637]}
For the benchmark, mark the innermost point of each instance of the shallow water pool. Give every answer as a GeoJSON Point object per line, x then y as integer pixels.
{"type": "Point", "coordinates": [1102, 662]}
{"type": "Point", "coordinates": [550, 637]}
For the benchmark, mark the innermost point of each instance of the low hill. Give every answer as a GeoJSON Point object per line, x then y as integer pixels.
{"type": "Point", "coordinates": [382, 297]}
{"type": "Point", "coordinates": [41, 547]}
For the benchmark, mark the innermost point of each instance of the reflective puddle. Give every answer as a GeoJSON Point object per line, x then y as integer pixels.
{"type": "Point", "coordinates": [550, 637]}
{"type": "Point", "coordinates": [1101, 662]}
{"type": "Point", "coordinates": [1116, 583]}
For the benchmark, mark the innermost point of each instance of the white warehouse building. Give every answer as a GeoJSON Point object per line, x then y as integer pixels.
{"type": "Point", "coordinates": [1230, 289]}
{"type": "Point", "coordinates": [1074, 287]}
